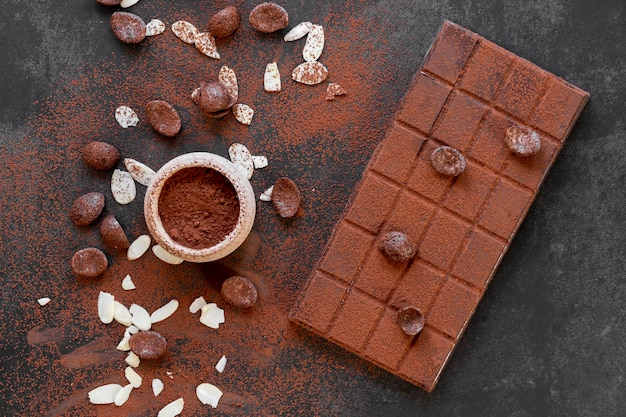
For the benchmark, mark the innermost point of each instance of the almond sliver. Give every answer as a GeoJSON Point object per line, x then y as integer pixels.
{"type": "Point", "coordinates": [298, 31]}
{"type": "Point", "coordinates": [241, 156]}
{"type": "Point", "coordinates": [157, 386]}
{"type": "Point", "coordinates": [164, 312]}
{"type": "Point", "coordinates": [172, 409]}
{"type": "Point", "coordinates": [165, 256]}
{"type": "Point", "coordinates": [138, 247]}
{"type": "Point", "coordinates": [122, 395]}
{"type": "Point", "coordinates": [104, 394]}
{"type": "Point", "coordinates": [106, 307]}
{"type": "Point", "coordinates": [205, 43]}
{"type": "Point", "coordinates": [185, 31]}
{"type": "Point", "coordinates": [310, 73]}
{"type": "Point", "coordinates": [123, 187]}
{"type": "Point", "coordinates": [121, 314]}
{"type": "Point", "coordinates": [228, 79]}
{"type": "Point", "coordinates": [141, 317]}
{"type": "Point", "coordinates": [243, 113]}
{"type": "Point", "coordinates": [126, 117]}
{"type": "Point", "coordinates": [314, 44]}
{"type": "Point", "coordinates": [271, 79]}
{"type": "Point", "coordinates": [155, 27]}
{"type": "Point", "coordinates": [140, 172]}
{"type": "Point", "coordinates": [208, 394]}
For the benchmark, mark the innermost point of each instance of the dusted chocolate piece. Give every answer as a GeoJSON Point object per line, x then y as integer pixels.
{"type": "Point", "coordinates": [268, 17]}
{"type": "Point", "coordinates": [100, 155]}
{"type": "Point", "coordinates": [213, 99]}
{"type": "Point", "coordinates": [112, 233]}
{"type": "Point", "coordinates": [468, 92]}
{"type": "Point", "coordinates": [447, 161]}
{"type": "Point", "coordinates": [397, 246]}
{"type": "Point", "coordinates": [148, 344]}
{"type": "Point", "coordinates": [163, 117]}
{"type": "Point", "coordinates": [225, 22]}
{"type": "Point", "coordinates": [128, 27]}
{"type": "Point", "coordinates": [522, 141]}
{"type": "Point", "coordinates": [286, 197]}
{"type": "Point", "coordinates": [89, 263]}
{"type": "Point", "coordinates": [239, 291]}
{"type": "Point", "coordinates": [86, 209]}
{"type": "Point", "coordinates": [109, 2]}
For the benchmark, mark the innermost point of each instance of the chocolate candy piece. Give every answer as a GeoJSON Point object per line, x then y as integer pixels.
{"type": "Point", "coordinates": [462, 226]}
{"type": "Point", "coordinates": [109, 2]}
{"type": "Point", "coordinates": [447, 161]}
{"type": "Point", "coordinates": [225, 22]}
{"type": "Point", "coordinates": [100, 155]}
{"type": "Point", "coordinates": [239, 291]}
{"type": "Point", "coordinates": [522, 141]}
{"type": "Point", "coordinates": [411, 319]}
{"type": "Point", "coordinates": [112, 233]}
{"type": "Point", "coordinates": [268, 17]}
{"type": "Point", "coordinates": [163, 118]}
{"type": "Point", "coordinates": [89, 263]}
{"type": "Point", "coordinates": [397, 246]}
{"type": "Point", "coordinates": [148, 344]}
{"type": "Point", "coordinates": [128, 27]}
{"type": "Point", "coordinates": [213, 99]}
{"type": "Point", "coordinates": [86, 209]}
{"type": "Point", "coordinates": [286, 197]}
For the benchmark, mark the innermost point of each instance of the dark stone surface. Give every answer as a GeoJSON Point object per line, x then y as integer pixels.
{"type": "Point", "coordinates": [548, 338]}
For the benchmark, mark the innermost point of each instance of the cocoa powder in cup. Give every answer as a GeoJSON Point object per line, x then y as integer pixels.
{"type": "Point", "coordinates": [198, 207]}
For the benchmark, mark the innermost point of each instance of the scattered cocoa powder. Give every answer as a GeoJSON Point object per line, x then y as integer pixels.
{"type": "Point", "coordinates": [198, 207]}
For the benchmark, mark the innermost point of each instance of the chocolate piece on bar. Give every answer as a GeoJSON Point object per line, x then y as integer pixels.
{"type": "Point", "coordinates": [467, 94]}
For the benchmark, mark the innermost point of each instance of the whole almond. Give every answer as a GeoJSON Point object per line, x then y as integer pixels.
{"type": "Point", "coordinates": [100, 155]}
{"type": "Point", "coordinates": [112, 233]}
{"type": "Point", "coordinates": [86, 209]}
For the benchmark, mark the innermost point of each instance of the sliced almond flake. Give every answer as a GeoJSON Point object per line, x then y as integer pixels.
{"type": "Point", "coordinates": [267, 194]}
{"type": "Point", "coordinates": [165, 256]}
{"type": "Point", "coordinates": [314, 44]}
{"type": "Point", "coordinates": [197, 305]}
{"type": "Point", "coordinates": [133, 377]}
{"type": "Point", "coordinates": [209, 394]}
{"type": "Point", "coordinates": [126, 117]}
{"type": "Point", "coordinates": [298, 31]}
{"type": "Point", "coordinates": [164, 312]}
{"type": "Point", "coordinates": [212, 316]}
{"type": "Point", "coordinates": [157, 386]}
{"type": "Point", "coordinates": [128, 3]}
{"type": "Point", "coordinates": [271, 79]}
{"type": "Point", "coordinates": [104, 394]}
{"type": "Point", "coordinates": [243, 113]}
{"type": "Point", "coordinates": [106, 307]}
{"type": "Point", "coordinates": [43, 301]}
{"type": "Point", "coordinates": [241, 156]}
{"type": "Point", "coordinates": [228, 79]}
{"type": "Point", "coordinates": [205, 43]}
{"type": "Point", "coordinates": [132, 329]}
{"type": "Point", "coordinates": [127, 283]}
{"type": "Point", "coordinates": [221, 364]}
{"type": "Point", "coordinates": [132, 359]}
{"type": "Point", "coordinates": [124, 344]}
{"type": "Point", "coordinates": [172, 409]}
{"type": "Point", "coordinates": [121, 314]}
{"type": "Point", "coordinates": [155, 27]}
{"type": "Point", "coordinates": [310, 73]}
{"type": "Point", "coordinates": [141, 317]}
{"type": "Point", "coordinates": [185, 31]}
{"type": "Point", "coordinates": [138, 247]}
{"type": "Point", "coordinates": [122, 395]}
{"type": "Point", "coordinates": [123, 187]}
{"type": "Point", "coordinates": [140, 172]}
{"type": "Point", "coordinates": [259, 161]}
{"type": "Point", "coordinates": [334, 90]}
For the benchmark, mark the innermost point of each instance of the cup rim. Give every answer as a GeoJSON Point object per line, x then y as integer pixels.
{"type": "Point", "coordinates": [245, 195]}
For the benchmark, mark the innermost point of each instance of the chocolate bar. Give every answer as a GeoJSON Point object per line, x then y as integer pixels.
{"type": "Point", "coordinates": [467, 94]}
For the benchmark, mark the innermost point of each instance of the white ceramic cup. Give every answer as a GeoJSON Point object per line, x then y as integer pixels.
{"type": "Point", "coordinates": [245, 194]}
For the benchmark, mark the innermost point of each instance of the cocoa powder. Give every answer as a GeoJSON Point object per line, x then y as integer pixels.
{"type": "Point", "coordinates": [198, 207]}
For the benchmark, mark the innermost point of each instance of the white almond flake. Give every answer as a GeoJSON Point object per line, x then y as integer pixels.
{"type": "Point", "coordinates": [157, 386]}
{"type": "Point", "coordinates": [212, 316]}
{"type": "Point", "coordinates": [205, 43]}
{"type": "Point", "coordinates": [128, 284]}
{"type": "Point", "coordinates": [132, 330]}
{"type": "Point", "coordinates": [122, 395]}
{"type": "Point", "coordinates": [141, 317]}
{"type": "Point", "coordinates": [126, 116]}
{"type": "Point", "coordinates": [209, 394]}
{"type": "Point", "coordinates": [314, 44]}
{"type": "Point", "coordinates": [243, 113]}
{"type": "Point", "coordinates": [310, 73]}
{"type": "Point", "coordinates": [104, 394]}
{"type": "Point", "coordinates": [138, 247]}
{"type": "Point", "coordinates": [121, 314]}
{"type": "Point", "coordinates": [334, 90]}
{"type": "Point", "coordinates": [155, 27]}
{"type": "Point", "coordinates": [132, 359]}
{"type": "Point", "coordinates": [169, 374]}
{"type": "Point", "coordinates": [123, 187]}
{"type": "Point", "coordinates": [197, 304]}
{"type": "Point", "coordinates": [241, 156]}
{"type": "Point", "coordinates": [43, 301]}
{"type": "Point", "coordinates": [106, 307]}
{"type": "Point", "coordinates": [128, 3]}
{"type": "Point", "coordinates": [185, 31]}
{"type": "Point", "coordinates": [140, 172]}
{"type": "Point", "coordinates": [164, 312]}
{"type": "Point", "coordinates": [228, 79]}
{"type": "Point", "coordinates": [165, 256]}
{"type": "Point", "coordinates": [172, 409]}
{"type": "Point", "coordinates": [221, 364]}
{"type": "Point", "coordinates": [124, 344]}
{"type": "Point", "coordinates": [267, 194]}
{"type": "Point", "coordinates": [298, 31]}
{"type": "Point", "coordinates": [259, 161]}
{"type": "Point", "coordinates": [271, 79]}
{"type": "Point", "coordinates": [133, 377]}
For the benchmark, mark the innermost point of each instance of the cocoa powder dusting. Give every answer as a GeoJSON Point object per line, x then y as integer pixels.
{"type": "Point", "coordinates": [198, 207]}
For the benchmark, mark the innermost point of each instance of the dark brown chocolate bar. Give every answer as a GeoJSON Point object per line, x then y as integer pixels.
{"type": "Point", "coordinates": [468, 92]}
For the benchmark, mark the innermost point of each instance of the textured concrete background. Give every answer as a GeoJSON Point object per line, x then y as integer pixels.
{"type": "Point", "coordinates": [549, 338]}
